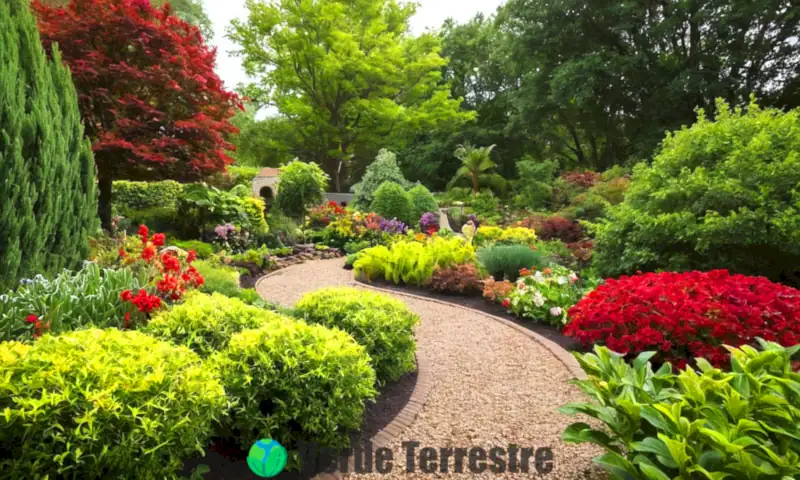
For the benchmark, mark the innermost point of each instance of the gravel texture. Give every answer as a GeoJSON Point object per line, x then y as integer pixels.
{"type": "Point", "coordinates": [492, 385]}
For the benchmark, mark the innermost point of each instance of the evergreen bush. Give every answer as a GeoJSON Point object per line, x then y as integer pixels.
{"type": "Point", "coordinates": [140, 195]}
{"type": "Point", "coordinates": [47, 174]}
{"type": "Point", "coordinates": [391, 201]}
{"type": "Point", "coordinates": [383, 169]}
{"type": "Point", "coordinates": [421, 201]}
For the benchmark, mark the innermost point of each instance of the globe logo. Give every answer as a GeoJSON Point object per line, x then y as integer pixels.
{"type": "Point", "coordinates": [267, 458]}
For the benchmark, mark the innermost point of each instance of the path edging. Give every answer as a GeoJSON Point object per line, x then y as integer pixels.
{"type": "Point", "coordinates": [403, 419]}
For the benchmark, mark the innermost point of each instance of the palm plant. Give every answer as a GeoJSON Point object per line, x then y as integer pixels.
{"type": "Point", "coordinates": [476, 162]}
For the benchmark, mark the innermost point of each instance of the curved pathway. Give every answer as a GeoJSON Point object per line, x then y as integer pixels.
{"type": "Point", "coordinates": [492, 385]}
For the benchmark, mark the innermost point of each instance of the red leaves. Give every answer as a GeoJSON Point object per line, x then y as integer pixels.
{"type": "Point", "coordinates": [548, 228]}
{"type": "Point", "coordinates": [148, 93]}
{"type": "Point", "coordinates": [584, 179]}
{"type": "Point", "coordinates": [686, 315]}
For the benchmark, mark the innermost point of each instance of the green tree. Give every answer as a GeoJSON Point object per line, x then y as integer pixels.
{"type": "Point", "coordinates": [263, 143]}
{"type": "Point", "coordinates": [721, 194]}
{"type": "Point", "coordinates": [302, 186]}
{"type": "Point", "coordinates": [383, 169]}
{"type": "Point", "coordinates": [347, 75]}
{"type": "Point", "coordinates": [475, 165]}
{"type": "Point", "coordinates": [49, 202]}
{"type": "Point", "coordinates": [193, 12]}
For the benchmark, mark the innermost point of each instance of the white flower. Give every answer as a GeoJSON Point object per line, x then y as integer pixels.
{"type": "Point", "coordinates": [538, 299]}
{"type": "Point", "coordinates": [555, 311]}
{"type": "Point", "coordinates": [521, 286]}
{"type": "Point", "coordinates": [572, 277]}
{"type": "Point", "coordinates": [562, 280]}
{"type": "Point", "coordinates": [538, 277]}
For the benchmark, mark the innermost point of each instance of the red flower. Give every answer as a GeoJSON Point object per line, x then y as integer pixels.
{"type": "Point", "coordinates": [506, 302]}
{"type": "Point", "coordinates": [127, 320]}
{"type": "Point", "coordinates": [31, 318]}
{"type": "Point", "coordinates": [126, 296]}
{"type": "Point", "coordinates": [159, 239]}
{"type": "Point", "coordinates": [144, 233]}
{"type": "Point", "coordinates": [149, 253]}
{"type": "Point", "coordinates": [170, 262]}
{"type": "Point", "coordinates": [122, 253]}
{"type": "Point", "coordinates": [191, 257]}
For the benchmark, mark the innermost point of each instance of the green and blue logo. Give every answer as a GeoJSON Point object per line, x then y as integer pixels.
{"type": "Point", "coordinates": [267, 458]}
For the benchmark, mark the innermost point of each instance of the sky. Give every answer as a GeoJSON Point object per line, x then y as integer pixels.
{"type": "Point", "coordinates": [430, 14]}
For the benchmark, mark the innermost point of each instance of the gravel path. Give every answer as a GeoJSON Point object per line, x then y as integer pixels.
{"type": "Point", "coordinates": [492, 385]}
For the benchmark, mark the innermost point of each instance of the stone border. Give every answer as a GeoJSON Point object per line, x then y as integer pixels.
{"type": "Point", "coordinates": [402, 420]}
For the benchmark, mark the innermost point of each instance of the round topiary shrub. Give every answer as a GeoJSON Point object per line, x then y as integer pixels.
{"type": "Point", "coordinates": [391, 201]}
{"type": "Point", "coordinates": [721, 194]}
{"type": "Point", "coordinates": [291, 381]}
{"type": "Point", "coordinates": [97, 404]}
{"type": "Point", "coordinates": [421, 201]}
{"type": "Point", "coordinates": [686, 315]}
{"type": "Point", "coordinates": [383, 325]}
{"type": "Point", "coordinates": [206, 323]}
{"type": "Point", "coordinates": [302, 186]}
{"type": "Point", "coordinates": [383, 169]}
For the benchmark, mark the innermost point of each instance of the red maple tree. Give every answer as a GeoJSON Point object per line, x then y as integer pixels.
{"type": "Point", "coordinates": [149, 97]}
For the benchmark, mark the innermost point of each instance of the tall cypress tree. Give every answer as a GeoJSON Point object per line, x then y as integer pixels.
{"type": "Point", "coordinates": [48, 199]}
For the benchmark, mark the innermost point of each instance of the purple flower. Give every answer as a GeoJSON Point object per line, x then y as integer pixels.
{"type": "Point", "coordinates": [474, 219]}
{"type": "Point", "coordinates": [393, 226]}
{"type": "Point", "coordinates": [223, 231]}
{"type": "Point", "coordinates": [429, 221]}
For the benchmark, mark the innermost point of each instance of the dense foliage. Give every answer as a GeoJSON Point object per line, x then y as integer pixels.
{"type": "Point", "coordinates": [392, 202]}
{"type": "Point", "coordinates": [149, 98]}
{"type": "Point", "coordinates": [686, 315]}
{"type": "Point", "coordinates": [291, 381]}
{"type": "Point", "coordinates": [720, 194]}
{"type": "Point", "coordinates": [384, 326]}
{"type": "Point", "coordinates": [383, 169]}
{"type": "Point", "coordinates": [137, 195]}
{"type": "Point", "coordinates": [463, 278]}
{"type": "Point", "coordinates": [743, 423]}
{"type": "Point", "coordinates": [544, 295]}
{"type": "Point", "coordinates": [48, 208]}
{"type": "Point", "coordinates": [421, 201]}
{"type": "Point", "coordinates": [302, 186]}
{"type": "Point", "coordinates": [506, 261]}
{"type": "Point", "coordinates": [103, 403]}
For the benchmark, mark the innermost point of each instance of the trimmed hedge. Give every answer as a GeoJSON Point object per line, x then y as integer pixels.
{"type": "Point", "coordinates": [384, 326]}
{"type": "Point", "coordinates": [103, 404]}
{"type": "Point", "coordinates": [391, 201]}
{"type": "Point", "coordinates": [291, 381]}
{"type": "Point", "coordinates": [421, 201]}
{"type": "Point", "coordinates": [141, 195]}
{"type": "Point", "coordinates": [206, 323]}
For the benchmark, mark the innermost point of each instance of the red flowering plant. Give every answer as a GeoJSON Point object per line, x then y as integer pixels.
{"type": "Point", "coordinates": [686, 315]}
{"type": "Point", "coordinates": [169, 274]}
{"type": "Point", "coordinates": [322, 215]}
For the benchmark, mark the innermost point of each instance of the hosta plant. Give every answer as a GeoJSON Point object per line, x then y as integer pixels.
{"type": "Point", "coordinates": [95, 404]}
{"type": "Point", "coordinates": [710, 424]}
{"type": "Point", "coordinates": [383, 325]}
{"type": "Point", "coordinates": [291, 381]}
{"type": "Point", "coordinates": [686, 315]}
{"type": "Point", "coordinates": [544, 295]}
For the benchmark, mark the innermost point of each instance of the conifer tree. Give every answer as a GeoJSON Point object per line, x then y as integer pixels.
{"type": "Point", "coordinates": [48, 204]}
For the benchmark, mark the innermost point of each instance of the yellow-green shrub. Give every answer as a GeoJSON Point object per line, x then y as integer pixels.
{"type": "Point", "coordinates": [291, 381]}
{"type": "Point", "coordinates": [206, 323]}
{"type": "Point", "coordinates": [383, 325]}
{"type": "Point", "coordinates": [103, 404]}
{"type": "Point", "coordinates": [513, 235]}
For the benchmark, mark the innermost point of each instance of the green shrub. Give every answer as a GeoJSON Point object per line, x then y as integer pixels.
{"type": "Point", "coordinates": [391, 201]}
{"type": "Point", "coordinates": [127, 195]}
{"type": "Point", "coordinates": [355, 247]}
{"type": "Point", "coordinates": [256, 221]}
{"type": "Point", "coordinates": [48, 199]}
{"type": "Point", "coordinates": [505, 261]}
{"type": "Point", "coordinates": [291, 381]}
{"type": "Point", "coordinates": [486, 206]}
{"type": "Point", "coordinates": [350, 261]}
{"type": "Point", "coordinates": [243, 175]}
{"type": "Point", "coordinates": [534, 188]}
{"type": "Point", "coordinates": [160, 219]}
{"type": "Point", "coordinates": [721, 194]}
{"type": "Point", "coordinates": [413, 262]}
{"type": "Point", "coordinates": [206, 323]}
{"type": "Point", "coordinates": [251, 297]}
{"type": "Point", "coordinates": [302, 186]}
{"type": "Point", "coordinates": [71, 300]}
{"type": "Point", "coordinates": [201, 208]}
{"type": "Point", "coordinates": [202, 249]}
{"type": "Point", "coordinates": [420, 201]}
{"type": "Point", "coordinates": [383, 325]}
{"type": "Point", "coordinates": [283, 230]}
{"type": "Point", "coordinates": [743, 423]}
{"type": "Point", "coordinates": [103, 404]}
{"type": "Point", "coordinates": [383, 169]}
{"type": "Point", "coordinates": [218, 278]}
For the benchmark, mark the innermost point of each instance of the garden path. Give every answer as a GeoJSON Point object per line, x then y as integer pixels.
{"type": "Point", "coordinates": [492, 385]}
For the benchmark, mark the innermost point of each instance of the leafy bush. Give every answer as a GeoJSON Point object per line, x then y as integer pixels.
{"type": "Point", "coordinates": [235, 176]}
{"type": "Point", "coordinates": [201, 208]}
{"type": "Point", "coordinates": [103, 404]}
{"type": "Point", "coordinates": [740, 424]}
{"type": "Point", "coordinates": [302, 186]}
{"type": "Point", "coordinates": [206, 323]}
{"type": "Point", "coordinates": [202, 249]}
{"type": "Point", "coordinates": [421, 201]}
{"type": "Point", "coordinates": [586, 206]}
{"type": "Point", "coordinates": [486, 206]}
{"type": "Point", "coordinates": [505, 261]}
{"type": "Point", "coordinates": [218, 278]}
{"type": "Point", "coordinates": [686, 315]}
{"type": "Point", "coordinates": [383, 169]}
{"type": "Point", "coordinates": [554, 227]}
{"type": "Point", "coordinates": [391, 201]}
{"type": "Point", "coordinates": [413, 262]}
{"type": "Point", "coordinates": [583, 179]}
{"type": "Point", "coordinates": [143, 195]}
{"type": "Point", "coordinates": [383, 325]}
{"type": "Point", "coordinates": [283, 230]}
{"type": "Point", "coordinates": [162, 219]}
{"type": "Point", "coordinates": [350, 261]}
{"type": "Point", "coordinates": [457, 279]}
{"type": "Point", "coordinates": [256, 222]}
{"type": "Point", "coordinates": [721, 194]}
{"type": "Point", "coordinates": [291, 381]}
{"type": "Point", "coordinates": [71, 300]}
{"type": "Point", "coordinates": [534, 189]}
{"type": "Point", "coordinates": [355, 247]}
{"type": "Point", "coordinates": [544, 295]}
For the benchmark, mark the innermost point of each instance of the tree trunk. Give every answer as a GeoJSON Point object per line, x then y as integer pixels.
{"type": "Point", "coordinates": [104, 184]}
